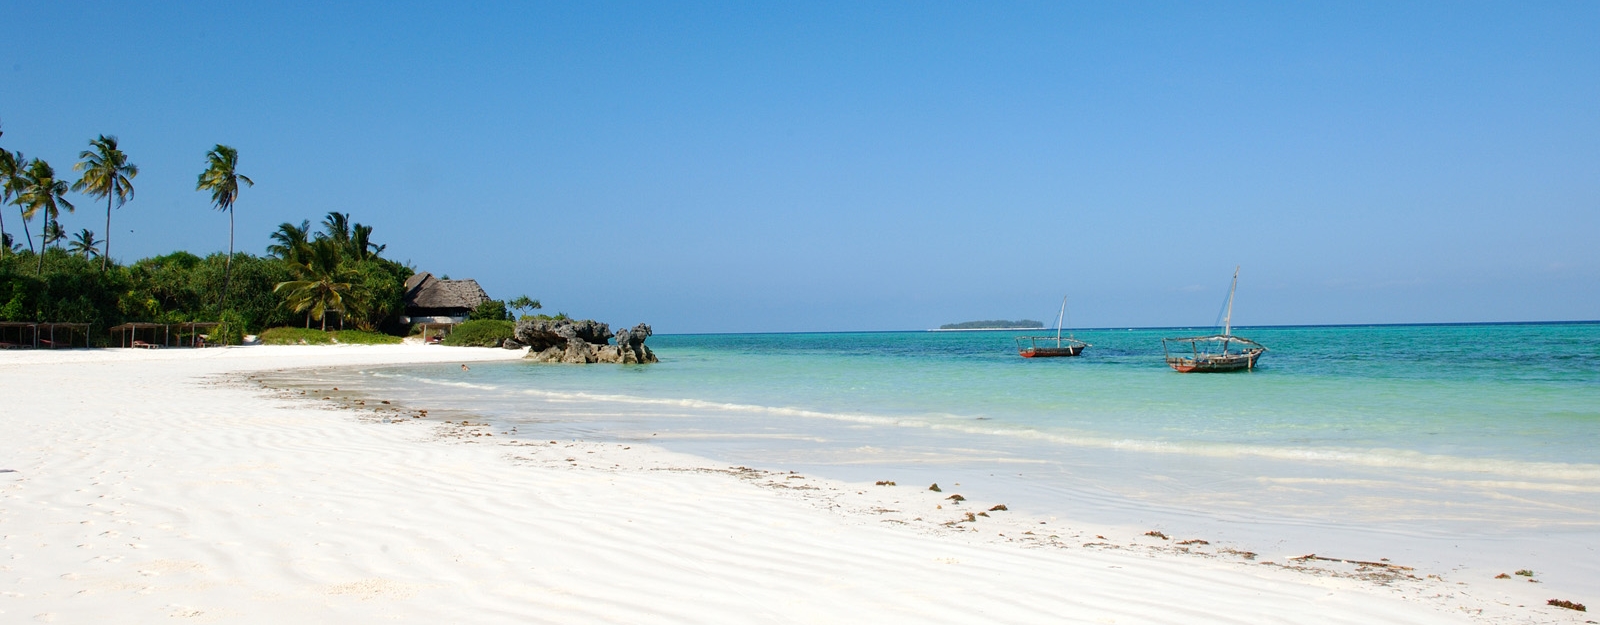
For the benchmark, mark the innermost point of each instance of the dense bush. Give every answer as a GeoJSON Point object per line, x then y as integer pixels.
{"type": "Point", "coordinates": [230, 331]}
{"type": "Point", "coordinates": [184, 287]}
{"type": "Point", "coordinates": [363, 337]}
{"type": "Point", "coordinates": [480, 333]}
{"type": "Point", "coordinates": [303, 336]}
{"type": "Point", "coordinates": [181, 287]}
{"type": "Point", "coordinates": [377, 293]}
{"type": "Point", "coordinates": [295, 336]}
{"type": "Point", "coordinates": [70, 290]}
{"type": "Point", "coordinates": [492, 310]}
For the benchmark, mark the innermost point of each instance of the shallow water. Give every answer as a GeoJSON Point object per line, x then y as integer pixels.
{"type": "Point", "coordinates": [1400, 439]}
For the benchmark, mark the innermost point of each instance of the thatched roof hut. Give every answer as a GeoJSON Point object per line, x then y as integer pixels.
{"type": "Point", "coordinates": [432, 300]}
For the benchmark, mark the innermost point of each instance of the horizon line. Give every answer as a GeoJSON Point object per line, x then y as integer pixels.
{"type": "Point", "coordinates": [1127, 328]}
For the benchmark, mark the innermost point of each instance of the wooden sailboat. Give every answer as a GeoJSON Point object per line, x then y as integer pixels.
{"type": "Point", "coordinates": [1219, 355]}
{"type": "Point", "coordinates": [1048, 347]}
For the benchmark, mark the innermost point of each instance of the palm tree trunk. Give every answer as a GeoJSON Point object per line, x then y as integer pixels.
{"type": "Point", "coordinates": [227, 268]}
{"type": "Point", "coordinates": [106, 255]}
{"type": "Point", "coordinates": [44, 244]}
{"type": "Point", "coordinates": [25, 231]}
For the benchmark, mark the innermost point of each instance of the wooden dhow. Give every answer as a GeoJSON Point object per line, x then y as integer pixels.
{"type": "Point", "coordinates": [1217, 353]}
{"type": "Point", "coordinates": [1051, 347]}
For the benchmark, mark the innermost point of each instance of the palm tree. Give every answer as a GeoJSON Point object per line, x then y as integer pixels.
{"type": "Point", "coordinates": [523, 302]}
{"type": "Point", "coordinates": [53, 233]}
{"type": "Point", "coordinates": [8, 168]}
{"type": "Point", "coordinates": [361, 245]}
{"type": "Point", "coordinates": [318, 291]}
{"type": "Point", "coordinates": [42, 192]}
{"type": "Point", "coordinates": [336, 226]}
{"type": "Point", "coordinates": [83, 244]}
{"type": "Point", "coordinates": [12, 179]}
{"type": "Point", "coordinates": [7, 247]}
{"type": "Point", "coordinates": [108, 174]}
{"type": "Point", "coordinates": [291, 242]}
{"type": "Point", "coordinates": [222, 178]}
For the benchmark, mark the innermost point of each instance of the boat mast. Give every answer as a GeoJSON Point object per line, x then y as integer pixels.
{"type": "Point", "coordinates": [1227, 322]}
{"type": "Point", "coordinates": [1059, 315]}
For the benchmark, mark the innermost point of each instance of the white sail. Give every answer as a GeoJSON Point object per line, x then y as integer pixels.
{"type": "Point", "coordinates": [1059, 316]}
{"type": "Point", "coordinates": [1227, 322]}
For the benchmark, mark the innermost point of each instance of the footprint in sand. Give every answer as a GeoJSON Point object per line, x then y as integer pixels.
{"type": "Point", "coordinates": [183, 611]}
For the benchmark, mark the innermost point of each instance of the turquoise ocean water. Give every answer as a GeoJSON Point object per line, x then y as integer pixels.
{"type": "Point", "coordinates": [1425, 433]}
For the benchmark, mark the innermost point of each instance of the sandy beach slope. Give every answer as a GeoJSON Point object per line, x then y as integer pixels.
{"type": "Point", "coordinates": [139, 486]}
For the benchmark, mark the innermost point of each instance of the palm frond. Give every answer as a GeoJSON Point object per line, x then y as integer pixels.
{"type": "Point", "coordinates": [84, 244]}
{"type": "Point", "coordinates": [106, 171]}
{"type": "Point", "coordinates": [221, 177]}
{"type": "Point", "coordinates": [336, 226]}
{"type": "Point", "coordinates": [291, 241]}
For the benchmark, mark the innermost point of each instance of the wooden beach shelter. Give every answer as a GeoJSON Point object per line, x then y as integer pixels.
{"type": "Point", "coordinates": [133, 334]}
{"type": "Point", "coordinates": [438, 329]}
{"type": "Point", "coordinates": [189, 333]}
{"type": "Point", "coordinates": [129, 334]}
{"type": "Point", "coordinates": [55, 335]}
{"type": "Point", "coordinates": [18, 334]}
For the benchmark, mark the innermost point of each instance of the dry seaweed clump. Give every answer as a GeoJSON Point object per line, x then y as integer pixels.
{"type": "Point", "coordinates": [1525, 573]}
{"type": "Point", "coordinates": [884, 483]}
{"type": "Point", "coordinates": [935, 488]}
{"type": "Point", "coordinates": [1157, 535]}
{"type": "Point", "coordinates": [1562, 603]}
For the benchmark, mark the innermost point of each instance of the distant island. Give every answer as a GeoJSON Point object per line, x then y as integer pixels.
{"type": "Point", "coordinates": [994, 325]}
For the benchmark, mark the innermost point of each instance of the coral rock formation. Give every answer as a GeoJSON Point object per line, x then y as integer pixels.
{"type": "Point", "coordinates": [583, 341]}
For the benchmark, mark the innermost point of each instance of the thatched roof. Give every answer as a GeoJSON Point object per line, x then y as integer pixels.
{"type": "Point", "coordinates": [425, 291]}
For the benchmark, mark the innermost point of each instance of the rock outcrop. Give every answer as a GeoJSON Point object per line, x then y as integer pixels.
{"type": "Point", "coordinates": [630, 347]}
{"type": "Point", "coordinates": [582, 341]}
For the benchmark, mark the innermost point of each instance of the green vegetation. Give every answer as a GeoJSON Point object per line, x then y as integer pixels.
{"type": "Point", "coordinates": [304, 336]}
{"type": "Point", "coordinates": [64, 286]}
{"type": "Point", "coordinates": [336, 277]}
{"type": "Point", "coordinates": [1020, 324]}
{"type": "Point", "coordinates": [41, 192]}
{"type": "Point", "coordinates": [222, 178]}
{"type": "Point", "coordinates": [523, 303]}
{"type": "Point", "coordinates": [108, 174]}
{"type": "Point", "coordinates": [492, 310]}
{"type": "Point", "coordinates": [319, 289]}
{"type": "Point", "coordinates": [480, 333]}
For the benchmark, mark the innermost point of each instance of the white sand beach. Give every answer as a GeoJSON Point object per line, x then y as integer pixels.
{"type": "Point", "coordinates": [139, 486]}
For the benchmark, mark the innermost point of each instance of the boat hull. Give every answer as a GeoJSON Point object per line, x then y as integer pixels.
{"type": "Point", "coordinates": [1051, 352]}
{"type": "Point", "coordinates": [1220, 363]}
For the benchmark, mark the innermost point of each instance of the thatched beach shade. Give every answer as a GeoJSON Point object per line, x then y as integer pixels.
{"type": "Point", "coordinates": [25, 333]}
{"type": "Point", "coordinates": [445, 328]}
{"type": "Point", "coordinates": [128, 334]}
{"type": "Point", "coordinates": [432, 301]}
{"type": "Point", "coordinates": [192, 329]}
{"type": "Point", "coordinates": [67, 330]}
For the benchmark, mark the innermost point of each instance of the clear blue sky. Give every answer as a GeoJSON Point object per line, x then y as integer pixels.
{"type": "Point", "coordinates": [751, 166]}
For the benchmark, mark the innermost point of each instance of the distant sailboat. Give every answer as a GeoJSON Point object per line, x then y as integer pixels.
{"type": "Point", "coordinates": [1216, 358]}
{"type": "Point", "coordinates": [1047, 347]}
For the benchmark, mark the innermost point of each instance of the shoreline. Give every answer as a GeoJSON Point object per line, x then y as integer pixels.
{"type": "Point", "coordinates": [435, 519]}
